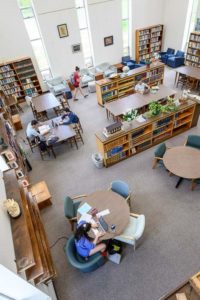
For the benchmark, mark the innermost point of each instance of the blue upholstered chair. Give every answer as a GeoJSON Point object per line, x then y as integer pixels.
{"type": "Point", "coordinates": [142, 63]}
{"type": "Point", "coordinates": [127, 61]}
{"type": "Point", "coordinates": [94, 262]}
{"type": "Point", "coordinates": [158, 154]}
{"type": "Point", "coordinates": [164, 55]}
{"type": "Point", "coordinates": [193, 141]}
{"type": "Point", "coordinates": [133, 231]}
{"type": "Point", "coordinates": [176, 60]}
{"type": "Point", "coordinates": [71, 207]}
{"type": "Point", "coordinates": [120, 187]}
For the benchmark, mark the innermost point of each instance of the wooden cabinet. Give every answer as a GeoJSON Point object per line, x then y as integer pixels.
{"type": "Point", "coordinates": [113, 89]}
{"type": "Point", "coordinates": [148, 41]}
{"type": "Point", "coordinates": [140, 136]}
{"type": "Point", "coordinates": [193, 50]}
{"type": "Point", "coordinates": [18, 78]}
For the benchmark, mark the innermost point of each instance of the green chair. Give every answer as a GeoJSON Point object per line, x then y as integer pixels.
{"type": "Point", "coordinates": [91, 264]}
{"type": "Point", "coordinates": [193, 141]}
{"type": "Point", "coordinates": [158, 154]}
{"type": "Point", "coordinates": [120, 187]}
{"type": "Point", "coordinates": [71, 207]}
{"type": "Point", "coordinates": [194, 183]}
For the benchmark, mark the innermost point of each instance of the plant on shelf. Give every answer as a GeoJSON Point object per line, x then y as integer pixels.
{"type": "Point", "coordinates": [130, 115]}
{"type": "Point", "coordinates": [170, 106]}
{"type": "Point", "coordinates": [155, 108]}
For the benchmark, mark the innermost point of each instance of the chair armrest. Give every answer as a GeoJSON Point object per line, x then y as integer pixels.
{"type": "Point", "coordinates": [170, 55]}
{"type": "Point", "coordinates": [98, 70]}
{"type": "Point", "coordinates": [127, 237]}
{"type": "Point", "coordinates": [79, 196]}
{"type": "Point", "coordinates": [179, 58]}
{"type": "Point", "coordinates": [133, 61]}
{"type": "Point", "coordinates": [114, 69]}
{"type": "Point", "coordinates": [134, 215]}
{"type": "Point", "coordinates": [158, 157]}
{"type": "Point", "coordinates": [73, 219]}
{"type": "Point", "coordinates": [163, 52]}
{"type": "Point", "coordinates": [49, 85]}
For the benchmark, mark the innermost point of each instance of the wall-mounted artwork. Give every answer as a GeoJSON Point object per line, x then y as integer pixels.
{"type": "Point", "coordinates": [76, 48]}
{"type": "Point", "coordinates": [62, 30]}
{"type": "Point", "coordinates": [108, 41]}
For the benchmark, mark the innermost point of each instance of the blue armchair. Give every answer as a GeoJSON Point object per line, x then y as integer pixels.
{"type": "Point", "coordinates": [176, 60]}
{"type": "Point", "coordinates": [94, 262]}
{"type": "Point", "coordinates": [127, 61]}
{"type": "Point", "coordinates": [164, 55]}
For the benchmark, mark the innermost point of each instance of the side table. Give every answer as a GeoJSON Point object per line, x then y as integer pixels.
{"type": "Point", "coordinates": [98, 76]}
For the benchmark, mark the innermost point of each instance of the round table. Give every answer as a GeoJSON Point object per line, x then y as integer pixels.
{"type": "Point", "coordinates": [118, 207]}
{"type": "Point", "coordinates": [183, 161]}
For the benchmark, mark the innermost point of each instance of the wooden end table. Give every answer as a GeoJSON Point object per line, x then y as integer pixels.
{"type": "Point", "coordinates": [119, 67]}
{"type": "Point", "coordinates": [98, 76]}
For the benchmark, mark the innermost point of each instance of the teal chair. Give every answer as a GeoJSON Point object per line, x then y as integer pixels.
{"type": "Point", "coordinates": [193, 141]}
{"type": "Point", "coordinates": [158, 154]}
{"type": "Point", "coordinates": [120, 187]}
{"type": "Point", "coordinates": [94, 262]}
{"type": "Point", "coordinates": [70, 209]}
{"type": "Point", "coordinates": [134, 231]}
{"type": "Point", "coordinates": [194, 183]}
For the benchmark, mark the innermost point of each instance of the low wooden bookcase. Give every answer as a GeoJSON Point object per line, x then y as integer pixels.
{"type": "Point", "coordinates": [141, 136]}
{"type": "Point", "coordinates": [113, 89]}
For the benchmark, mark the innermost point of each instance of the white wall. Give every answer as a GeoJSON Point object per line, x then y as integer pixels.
{"type": "Point", "coordinates": [51, 13]}
{"type": "Point", "coordinates": [105, 20]}
{"type": "Point", "coordinates": [175, 13]}
{"type": "Point", "coordinates": [14, 38]}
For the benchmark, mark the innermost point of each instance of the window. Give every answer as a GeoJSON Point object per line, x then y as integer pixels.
{"type": "Point", "coordinates": [84, 32]}
{"type": "Point", "coordinates": [32, 28]}
{"type": "Point", "coordinates": [126, 32]}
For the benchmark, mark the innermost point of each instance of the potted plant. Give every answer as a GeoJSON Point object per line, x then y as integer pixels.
{"type": "Point", "coordinates": [130, 115]}
{"type": "Point", "coordinates": [170, 106]}
{"type": "Point", "coordinates": [155, 108]}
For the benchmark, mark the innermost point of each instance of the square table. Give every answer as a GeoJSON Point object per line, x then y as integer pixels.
{"type": "Point", "coordinates": [45, 102]}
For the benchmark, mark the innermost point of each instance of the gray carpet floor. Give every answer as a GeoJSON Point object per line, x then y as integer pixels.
{"type": "Point", "coordinates": [169, 251]}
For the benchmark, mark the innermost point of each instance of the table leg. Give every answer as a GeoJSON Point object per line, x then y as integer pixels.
{"type": "Point", "coordinates": [179, 182]}
{"type": "Point", "coordinates": [107, 113]}
{"type": "Point", "coordinates": [75, 143]}
{"type": "Point", "coordinates": [176, 78]}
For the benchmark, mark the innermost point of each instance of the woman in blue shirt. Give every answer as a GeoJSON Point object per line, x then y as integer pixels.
{"type": "Point", "coordinates": [86, 246]}
{"type": "Point", "coordinates": [69, 117]}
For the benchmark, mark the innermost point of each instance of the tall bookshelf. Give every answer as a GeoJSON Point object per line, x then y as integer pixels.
{"type": "Point", "coordinates": [141, 136]}
{"type": "Point", "coordinates": [148, 40]}
{"type": "Point", "coordinates": [18, 78]}
{"type": "Point", "coordinates": [113, 89]}
{"type": "Point", "coordinates": [193, 50]}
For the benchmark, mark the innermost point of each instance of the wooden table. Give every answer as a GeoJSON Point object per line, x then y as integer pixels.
{"type": "Point", "coordinates": [184, 162]}
{"type": "Point", "coordinates": [64, 132]}
{"type": "Point", "coordinates": [45, 102]}
{"type": "Point", "coordinates": [119, 210]}
{"type": "Point", "coordinates": [98, 76]}
{"type": "Point", "coordinates": [188, 71]}
{"type": "Point", "coordinates": [136, 101]}
{"type": "Point", "coordinates": [119, 67]}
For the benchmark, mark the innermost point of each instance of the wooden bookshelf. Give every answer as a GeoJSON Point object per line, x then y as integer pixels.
{"type": "Point", "coordinates": [141, 136]}
{"type": "Point", "coordinates": [18, 78]}
{"type": "Point", "coordinates": [148, 40]}
{"type": "Point", "coordinates": [193, 50]}
{"type": "Point", "coordinates": [113, 89]}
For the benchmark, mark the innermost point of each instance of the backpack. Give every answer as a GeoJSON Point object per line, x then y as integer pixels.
{"type": "Point", "coordinates": [72, 78]}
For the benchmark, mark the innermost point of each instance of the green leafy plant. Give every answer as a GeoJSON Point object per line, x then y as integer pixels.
{"type": "Point", "coordinates": [155, 108]}
{"type": "Point", "coordinates": [170, 106]}
{"type": "Point", "coordinates": [130, 115]}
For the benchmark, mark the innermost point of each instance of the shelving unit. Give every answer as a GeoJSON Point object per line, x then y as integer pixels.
{"type": "Point", "coordinates": [141, 136]}
{"type": "Point", "coordinates": [18, 78]}
{"type": "Point", "coordinates": [193, 51]}
{"type": "Point", "coordinates": [148, 41]}
{"type": "Point", "coordinates": [113, 89]}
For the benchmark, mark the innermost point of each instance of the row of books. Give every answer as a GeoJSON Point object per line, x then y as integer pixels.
{"type": "Point", "coordinates": [190, 63]}
{"type": "Point", "coordinates": [142, 32]}
{"type": "Point", "coordinates": [31, 91]}
{"type": "Point", "coordinates": [22, 63]}
{"type": "Point", "coordinates": [155, 34]}
{"type": "Point", "coordinates": [193, 58]}
{"type": "Point", "coordinates": [194, 45]}
{"type": "Point", "coordinates": [195, 37]}
{"type": "Point", "coordinates": [7, 74]}
{"type": "Point", "coordinates": [5, 68]}
{"type": "Point", "coordinates": [142, 43]}
{"type": "Point", "coordinates": [8, 80]}
{"type": "Point", "coordinates": [193, 51]}
{"type": "Point", "coordinates": [11, 85]}
{"type": "Point", "coordinates": [144, 37]}
{"type": "Point", "coordinates": [108, 87]}
{"type": "Point", "coordinates": [144, 56]}
{"type": "Point", "coordinates": [28, 86]}
{"type": "Point", "coordinates": [155, 39]}
{"type": "Point", "coordinates": [11, 91]}
{"type": "Point", "coordinates": [109, 95]}
{"type": "Point", "coordinates": [155, 29]}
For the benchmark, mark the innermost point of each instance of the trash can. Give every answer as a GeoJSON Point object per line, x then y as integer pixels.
{"type": "Point", "coordinates": [97, 160]}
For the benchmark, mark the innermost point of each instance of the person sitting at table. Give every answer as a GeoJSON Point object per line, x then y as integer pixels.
{"type": "Point", "coordinates": [71, 117]}
{"type": "Point", "coordinates": [85, 245]}
{"type": "Point", "coordinates": [32, 131]}
{"type": "Point", "coordinates": [142, 88]}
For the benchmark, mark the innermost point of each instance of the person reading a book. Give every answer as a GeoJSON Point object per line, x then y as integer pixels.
{"type": "Point", "coordinates": [32, 131]}
{"type": "Point", "coordinates": [85, 245]}
{"type": "Point", "coordinates": [69, 117]}
{"type": "Point", "coordinates": [142, 88]}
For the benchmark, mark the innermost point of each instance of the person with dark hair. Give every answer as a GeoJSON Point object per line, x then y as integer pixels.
{"type": "Point", "coordinates": [77, 84]}
{"type": "Point", "coordinates": [32, 131]}
{"type": "Point", "coordinates": [69, 117]}
{"type": "Point", "coordinates": [85, 245]}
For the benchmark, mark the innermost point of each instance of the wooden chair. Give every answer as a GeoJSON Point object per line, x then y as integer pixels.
{"type": "Point", "coordinates": [47, 151]}
{"type": "Point", "coordinates": [32, 144]}
{"type": "Point", "coordinates": [59, 110]}
{"type": "Point", "coordinates": [64, 101]}
{"type": "Point", "coordinates": [78, 133]}
{"type": "Point", "coordinates": [182, 79]}
{"type": "Point", "coordinates": [191, 83]}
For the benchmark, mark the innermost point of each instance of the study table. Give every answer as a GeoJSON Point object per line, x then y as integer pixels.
{"type": "Point", "coordinates": [45, 102]}
{"type": "Point", "coordinates": [118, 207]}
{"type": "Point", "coordinates": [188, 71]}
{"type": "Point", "coordinates": [183, 161]}
{"type": "Point", "coordinates": [136, 101]}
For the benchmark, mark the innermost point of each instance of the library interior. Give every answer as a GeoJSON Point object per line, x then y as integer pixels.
{"type": "Point", "coordinates": [100, 149]}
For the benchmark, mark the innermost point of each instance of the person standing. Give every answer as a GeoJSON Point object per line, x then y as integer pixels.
{"type": "Point", "coordinates": [77, 84]}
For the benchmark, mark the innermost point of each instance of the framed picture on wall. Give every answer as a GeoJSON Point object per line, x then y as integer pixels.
{"type": "Point", "coordinates": [76, 48]}
{"type": "Point", "coordinates": [108, 41]}
{"type": "Point", "coordinates": [62, 30]}
{"type": "Point", "coordinates": [13, 165]}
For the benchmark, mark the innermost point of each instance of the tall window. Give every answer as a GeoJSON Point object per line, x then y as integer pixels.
{"type": "Point", "coordinates": [83, 21]}
{"type": "Point", "coordinates": [126, 25]}
{"type": "Point", "coordinates": [35, 37]}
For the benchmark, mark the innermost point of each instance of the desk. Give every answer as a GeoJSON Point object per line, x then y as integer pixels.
{"type": "Point", "coordinates": [119, 210]}
{"type": "Point", "coordinates": [188, 71]}
{"type": "Point", "coordinates": [136, 101]}
{"type": "Point", "coordinates": [183, 161]}
{"type": "Point", "coordinates": [45, 102]}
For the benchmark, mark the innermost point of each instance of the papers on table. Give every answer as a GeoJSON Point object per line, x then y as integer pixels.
{"type": "Point", "coordinates": [103, 213]}
{"type": "Point", "coordinates": [140, 119]}
{"type": "Point", "coordinates": [44, 129]}
{"type": "Point", "coordinates": [84, 208]}
{"type": "Point", "coordinates": [85, 217]}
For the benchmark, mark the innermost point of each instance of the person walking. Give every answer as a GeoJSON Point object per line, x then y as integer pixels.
{"type": "Point", "coordinates": [77, 84]}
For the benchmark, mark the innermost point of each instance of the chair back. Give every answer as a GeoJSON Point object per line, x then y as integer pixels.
{"type": "Point", "coordinates": [180, 53]}
{"type": "Point", "coordinates": [120, 187]}
{"type": "Point", "coordinates": [126, 58]}
{"type": "Point", "coordinates": [193, 141]}
{"type": "Point", "coordinates": [170, 51]}
{"type": "Point", "coordinates": [68, 208]}
{"type": "Point", "coordinates": [160, 150]}
{"type": "Point", "coordinates": [140, 226]}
